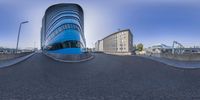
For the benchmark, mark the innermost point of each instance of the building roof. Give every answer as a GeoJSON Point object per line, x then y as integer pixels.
{"type": "Point", "coordinates": [63, 5]}
{"type": "Point", "coordinates": [118, 32]}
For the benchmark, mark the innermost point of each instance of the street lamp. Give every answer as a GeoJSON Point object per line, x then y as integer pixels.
{"type": "Point", "coordinates": [19, 34]}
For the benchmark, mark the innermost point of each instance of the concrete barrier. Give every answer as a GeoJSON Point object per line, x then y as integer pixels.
{"type": "Point", "coordinates": [181, 57]}
{"type": "Point", "coordinates": [69, 58]}
{"type": "Point", "coordinates": [10, 62]}
{"type": "Point", "coordinates": [13, 56]}
{"type": "Point", "coordinates": [119, 53]}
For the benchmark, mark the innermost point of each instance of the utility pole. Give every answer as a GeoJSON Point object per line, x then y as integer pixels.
{"type": "Point", "coordinates": [19, 33]}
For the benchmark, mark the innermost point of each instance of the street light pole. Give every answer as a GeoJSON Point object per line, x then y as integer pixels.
{"type": "Point", "coordinates": [19, 33]}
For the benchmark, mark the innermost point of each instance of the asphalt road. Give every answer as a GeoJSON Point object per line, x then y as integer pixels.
{"type": "Point", "coordinates": [105, 77]}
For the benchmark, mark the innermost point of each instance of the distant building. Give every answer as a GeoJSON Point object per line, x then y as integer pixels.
{"type": "Point", "coordinates": [162, 48]}
{"type": "Point", "coordinates": [99, 46]}
{"type": "Point", "coordinates": [119, 43]}
{"type": "Point", "coordinates": [159, 48]}
{"type": "Point", "coordinates": [7, 50]}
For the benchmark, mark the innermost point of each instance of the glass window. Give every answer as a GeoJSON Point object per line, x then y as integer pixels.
{"type": "Point", "coordinates": [66, 44]}
{"type": "Point", "coordinates": [68, 26]}
{"type": "Point", "coordinates": [73, 26]}
{"type": "Point", "coordinates": [60, 29]}
{"type": "Point", "coordinates": [65, 26]}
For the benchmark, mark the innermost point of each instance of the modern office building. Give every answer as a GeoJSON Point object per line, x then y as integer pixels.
{"type": "Point", "coordinates": [119, 43]}
{"type": "Point", "coordinates": [62, 30]}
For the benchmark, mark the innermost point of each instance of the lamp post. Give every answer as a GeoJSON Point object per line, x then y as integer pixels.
{"type": "Point", "coordinates": [19, 34]}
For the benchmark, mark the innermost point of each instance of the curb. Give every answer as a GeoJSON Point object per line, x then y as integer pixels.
{"type": "Point", "coordinates": [67, 61]}
{"type": "Point", "coordinates": [15, 61]}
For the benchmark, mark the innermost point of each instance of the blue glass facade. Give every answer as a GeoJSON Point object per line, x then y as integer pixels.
{"type": "Point", "coordinates": [63, 29]}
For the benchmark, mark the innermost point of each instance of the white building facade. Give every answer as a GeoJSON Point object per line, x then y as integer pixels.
{"type": "Point", "coordinates": [119, 43]}
{"type": "Point", "coordinates": [99, 46]}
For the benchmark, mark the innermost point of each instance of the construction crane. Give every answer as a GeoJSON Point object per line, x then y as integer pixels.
{"type": "Point", "coordinates": [180, 48]}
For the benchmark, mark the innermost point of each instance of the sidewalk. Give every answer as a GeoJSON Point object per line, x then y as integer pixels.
{"type": "Point", "coordinates": [6, 63]}
{"type": "Point", "coordinates": [176, 63]}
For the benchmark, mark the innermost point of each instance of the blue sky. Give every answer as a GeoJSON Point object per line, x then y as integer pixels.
{"type": "Point", "coordinates": [151, 21]}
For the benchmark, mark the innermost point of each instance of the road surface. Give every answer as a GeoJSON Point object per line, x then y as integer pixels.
{"type": "Point", "coordinates": [105, 77]}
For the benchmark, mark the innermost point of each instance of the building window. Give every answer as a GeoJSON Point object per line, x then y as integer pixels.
{"type": "Point", "coordinates": [62, 28]}
{"type": "Point", "coordinates": [66, 44]}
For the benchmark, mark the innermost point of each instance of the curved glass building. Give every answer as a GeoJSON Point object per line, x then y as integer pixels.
{"type": "Point", "coordinates": [62, 29]}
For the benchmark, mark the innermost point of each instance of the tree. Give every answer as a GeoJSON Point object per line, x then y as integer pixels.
{"type": "Point", "coordinates": [140, 47]}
